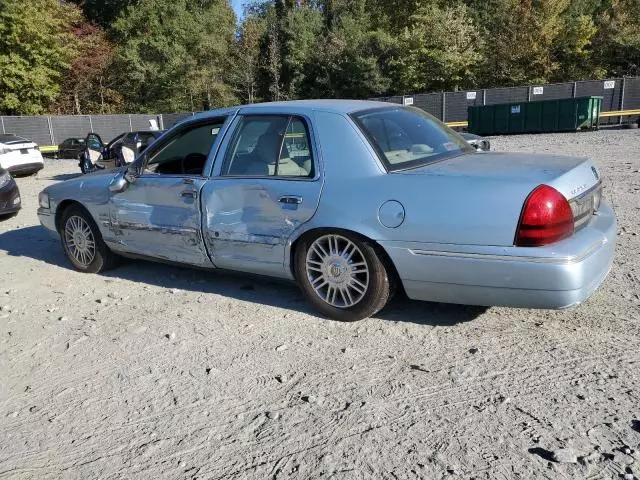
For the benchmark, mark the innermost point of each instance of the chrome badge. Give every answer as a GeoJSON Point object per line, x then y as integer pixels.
{"type": "Point", "coordinates": [595, 173]}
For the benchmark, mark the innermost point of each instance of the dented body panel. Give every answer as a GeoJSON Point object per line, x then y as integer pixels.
{"type": "Point", "coordinates": [157, 219]}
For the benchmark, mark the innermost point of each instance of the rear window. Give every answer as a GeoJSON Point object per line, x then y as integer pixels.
{"type": "Point", "coordinates": [407, 137]}
{"type": "Point", "coordinates": [9, 138]}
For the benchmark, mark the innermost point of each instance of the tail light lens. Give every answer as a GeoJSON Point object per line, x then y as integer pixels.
{"type": "Point", "coordinates": [546, 218]}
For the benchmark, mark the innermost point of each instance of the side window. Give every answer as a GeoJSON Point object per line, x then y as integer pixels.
{"type": "Point", "coordinates": [94, 142]}
{"type": "Point", "coordinates": [146, 139]}
{"type": "Point", "coordinates": [186, 152]}
{"type": "Point", "coordinates": [270, 146]}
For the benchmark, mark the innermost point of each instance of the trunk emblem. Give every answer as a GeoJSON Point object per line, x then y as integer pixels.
{"type": "Point", "coordinates": [578, 189]}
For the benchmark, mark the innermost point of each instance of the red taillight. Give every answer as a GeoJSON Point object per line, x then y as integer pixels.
{"type": "Point", "coordinates": [546, 218]}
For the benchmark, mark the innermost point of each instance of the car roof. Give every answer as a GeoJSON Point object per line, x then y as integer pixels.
{"type": "Point", "coordinates": [152, 132]}
{"type": "Point", "coordinates": [327, 105]}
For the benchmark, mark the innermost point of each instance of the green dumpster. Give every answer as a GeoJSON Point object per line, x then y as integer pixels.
{"type": "Point", "coordinates": [565, 115]}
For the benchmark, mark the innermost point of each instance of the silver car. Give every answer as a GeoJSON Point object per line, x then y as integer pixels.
{"type": "Point", "coordinates": [352, 200]}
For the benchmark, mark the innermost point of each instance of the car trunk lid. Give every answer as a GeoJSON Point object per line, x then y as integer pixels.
{"type": "Point", "coordinates": [576, 178]}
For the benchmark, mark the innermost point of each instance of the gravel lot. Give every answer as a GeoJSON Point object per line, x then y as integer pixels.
{"type": "Point", "coordinates": [153, 371]}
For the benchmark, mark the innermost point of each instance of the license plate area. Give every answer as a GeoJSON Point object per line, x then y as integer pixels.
{"type": "Point", "coordinates": [24, 151]}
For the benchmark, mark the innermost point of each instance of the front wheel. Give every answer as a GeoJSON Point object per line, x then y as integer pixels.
{"type": "Point", "coordinates": [82, 242]}
{"type": "Point", "coordinates": [342, 275]}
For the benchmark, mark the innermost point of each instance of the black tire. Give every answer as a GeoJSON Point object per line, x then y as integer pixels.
{"type": "Point", "coordinates": [379, 288]}
{"type": "Point", "coordinates": [103, 258]}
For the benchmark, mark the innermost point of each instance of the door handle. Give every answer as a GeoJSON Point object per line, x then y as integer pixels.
{"type": "Point", "coordinates": [189, 194]}
{"type": "Point", "coordinates": [290, 200]}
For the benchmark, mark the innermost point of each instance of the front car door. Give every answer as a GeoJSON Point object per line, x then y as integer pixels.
{"type": "Point", "coordinates": [93, 146]}
{"type": "Point", "coordinates": [267, 184]}
{"type": "Point", "coordinates": [159, 214]}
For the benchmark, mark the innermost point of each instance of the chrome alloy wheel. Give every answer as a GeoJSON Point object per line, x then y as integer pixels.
{"type": "Point", "coordinates": [337, 271]}
{"type": "Point", "coordinates": [79, 240]}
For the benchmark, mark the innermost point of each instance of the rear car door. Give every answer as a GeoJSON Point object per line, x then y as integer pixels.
{"type": "Point", "coordinates": [159, 214]}
{"type": "Point", "coordinates": [267, 184]}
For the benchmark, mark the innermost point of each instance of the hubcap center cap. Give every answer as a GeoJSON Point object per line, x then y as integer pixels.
{"type": "Point", "coordinates": [336, 270]}
{"type": "Point", "coordinates": [79, 240]}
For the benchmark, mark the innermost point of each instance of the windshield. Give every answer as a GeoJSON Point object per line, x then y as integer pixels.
{"type": "Point", "coordinates": [407, 137]}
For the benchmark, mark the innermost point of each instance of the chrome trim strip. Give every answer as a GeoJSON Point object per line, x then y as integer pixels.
{"type": "Point", "coordinates": [515, 258]}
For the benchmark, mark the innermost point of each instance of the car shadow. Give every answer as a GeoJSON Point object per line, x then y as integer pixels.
{"type": "Point", "coordinates": [36, 242]}
{"type": "Point", "coordinates": [64, 176]}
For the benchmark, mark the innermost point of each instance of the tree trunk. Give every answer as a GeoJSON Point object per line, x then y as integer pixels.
{"type": "Point", "coordinates": [76, 101]}
{"type": "Point", "coordinates": [101, 96]}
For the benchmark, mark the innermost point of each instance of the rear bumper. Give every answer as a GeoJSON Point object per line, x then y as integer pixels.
{"type": "Point", "coordinates": [26, 168]}
{"type": "Point", "coordinates": [557, 276]}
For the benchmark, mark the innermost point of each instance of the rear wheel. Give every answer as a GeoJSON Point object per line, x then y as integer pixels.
{"type": "Point", "coordinates": [82, 242]}
{"type": "Point", "coordinates": [342, 275]}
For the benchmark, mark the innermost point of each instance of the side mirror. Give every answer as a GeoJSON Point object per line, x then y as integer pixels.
{"type": "Point", "coordinates": [119, 183]}
{"type": "Point", "coordinates": [131, 174]}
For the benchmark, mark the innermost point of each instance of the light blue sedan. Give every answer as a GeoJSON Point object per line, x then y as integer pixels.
{"type": "Point", "coordinates": [352, 200]}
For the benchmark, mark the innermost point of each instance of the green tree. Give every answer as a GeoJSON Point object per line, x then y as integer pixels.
{"type": "Point", "coordinates": [103, 12]}
{"type": "Point", "coordinates": [173, 55]}
{"type": "Point", "coordinates": [300, 30]}
{"type": "Point", "coordinates": [246, 65]}
{"type": "Point", "coordinates": [36, 48]}
{"type": "Point", "coordinates": [519, 41]}
{"type": "Point", "coordinates": [617, 43]}
{"type": "Point", "coordinates": [441, 49]}
{"type": "Point", "coordinates": [85, 88]}
{"type": "Point", "coordinates": [572, 49]}
{"type": "Point", "coordinates": [350, 61]}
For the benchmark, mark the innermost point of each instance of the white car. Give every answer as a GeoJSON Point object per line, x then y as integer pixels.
{"type": "Point", "coordinates": [19, 156]}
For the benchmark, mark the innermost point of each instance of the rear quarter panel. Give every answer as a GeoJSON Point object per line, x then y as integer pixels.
{"type": "Point", "coordinates": [438, 208]}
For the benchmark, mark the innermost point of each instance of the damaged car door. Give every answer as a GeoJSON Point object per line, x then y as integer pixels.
{"type": "Point", "coordinates": [266, 184]}
{"type": "Point", "coordinates": [157, 213]}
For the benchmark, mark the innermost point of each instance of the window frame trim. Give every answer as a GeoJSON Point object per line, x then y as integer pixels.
{"type": "Point", "coordinates": [315, 164]}
{"type": "Point", "coordinates": [355, 117]}
{"type": "Point", "coordinates": [163, 141]}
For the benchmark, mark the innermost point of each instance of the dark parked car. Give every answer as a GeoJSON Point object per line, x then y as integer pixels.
{"type": "Point", "coordinates": [72, 148]}
{"type": "Point", "coordinates": [118, 152]}
{"type": "Point", "coordinates": [9, 195]}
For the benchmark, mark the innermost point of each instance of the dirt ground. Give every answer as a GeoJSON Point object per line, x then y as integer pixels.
{"type": "Point", "coordinates": [152, 371]}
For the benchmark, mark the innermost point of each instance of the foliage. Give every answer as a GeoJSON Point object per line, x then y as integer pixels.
{"type": "Point", "coordinates": [103, 12]}
{"type": "Point", "coordinates": [35, 51]}
{"type": "Point", "coordinates": [246, 56]}
{"type": "Point", "coordinates": [173, 55]}
{"type": "Point", "coordinates": [441, 49]}
{"type": "Point", "coordinates": [85, 86]}
{"type": "Point", "coordinates": [85, 56]}
{"type": "Point", "coordinates": [617, 43]}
